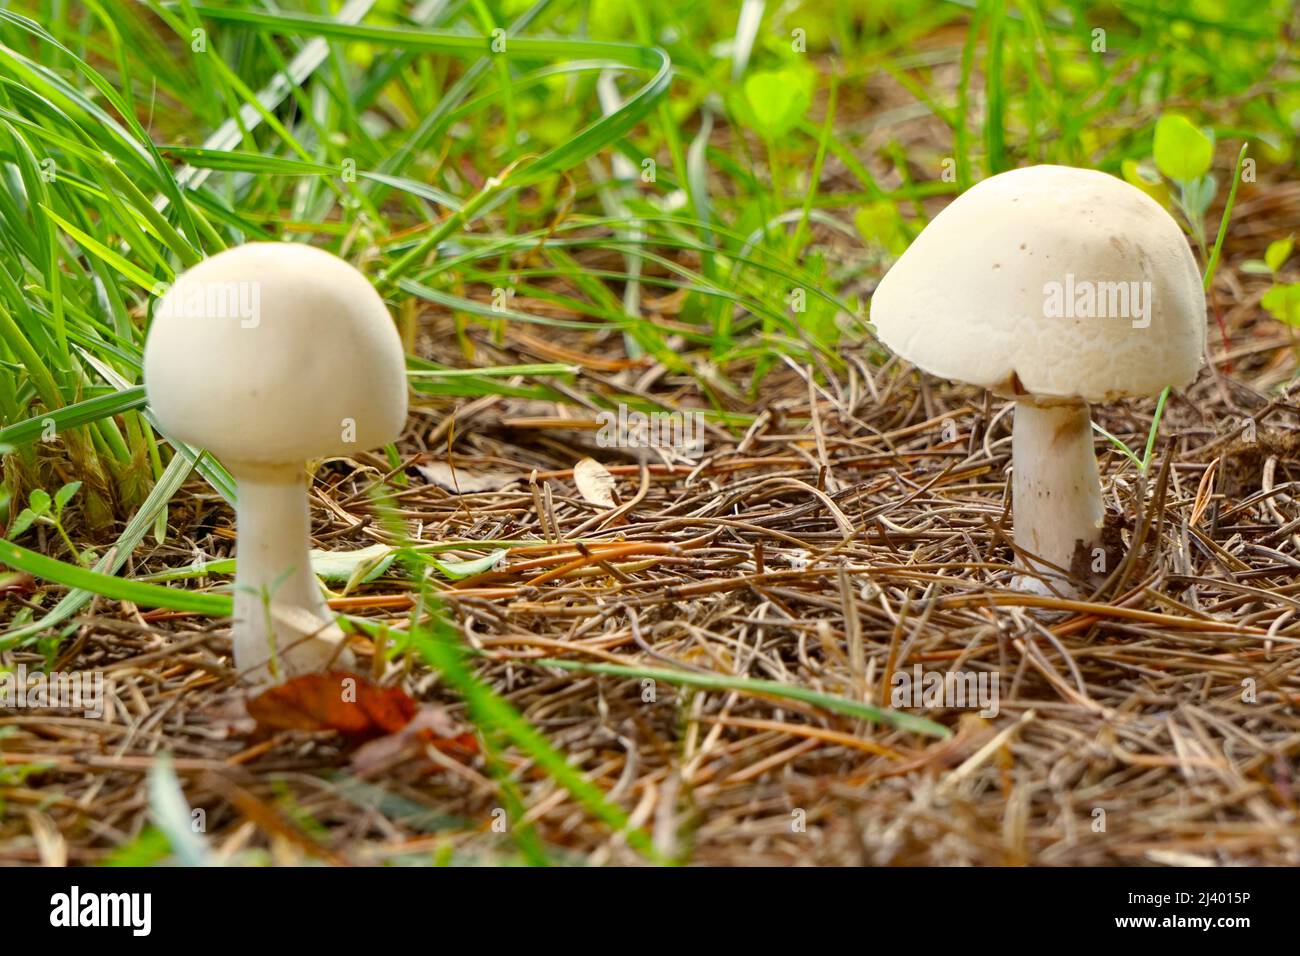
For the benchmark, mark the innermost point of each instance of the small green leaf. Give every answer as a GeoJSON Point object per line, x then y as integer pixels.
{"type": "Point", "coordinates": [1198, 194]}
{"type": "Point", "coordinates": [1182, 151]}
{"type": "Point", "coordinates": [880, 223]}
{"type": "Point", "coordinates": [64, 495]}
{"type": "Point", "coordinates": [1278, 253]}
{"type": "Point", "coordinates": [1283, 303]}
{"type": "Point", "coordinates": [456, 570]}
{"type": "Point", "coordinates": [776, 100]}
{"type": "Point", "coordinates": [148, 849]}
{"type": "Point", "coordinates": [40, 502]}
{"type": "Point", "coordinates": [24, 521]}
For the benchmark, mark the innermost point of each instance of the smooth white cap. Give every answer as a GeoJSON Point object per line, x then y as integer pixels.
{"type": "Point", "coordinates": [974, 297]}
{"type": "Point", "coordinates": [271, 353]}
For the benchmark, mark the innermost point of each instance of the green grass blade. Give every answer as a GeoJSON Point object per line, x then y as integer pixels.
{"type": "Point", "coordinates": [767, 688]}
{"type": "Point", "coordinates": [106, 585]}
{"type": "Point", "coordinates": [72, 416]}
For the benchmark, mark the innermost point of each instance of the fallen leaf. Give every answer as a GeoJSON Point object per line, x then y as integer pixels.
{"type": "Point", "coordinates": [594, 482]}
{"type": "Point", "coordinates": [336, 700]}
{"type": "Point", "coordinates": [228, 717]}
{"type": "Point", "coordinates": [345, 565]}
{"type": "Point", "coordinates": [462, 482]}
{"type": "Point", "coordinates": [430, 725]}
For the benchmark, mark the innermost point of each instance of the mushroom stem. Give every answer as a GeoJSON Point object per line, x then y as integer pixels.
{"type": "Point", "coordinates": [1058, 509]}
{"type": "Point", "coordinates": [282, 625]}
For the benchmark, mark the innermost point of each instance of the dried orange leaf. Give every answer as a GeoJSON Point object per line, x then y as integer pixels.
{"type": "Point", "coordinates": [336, 700]}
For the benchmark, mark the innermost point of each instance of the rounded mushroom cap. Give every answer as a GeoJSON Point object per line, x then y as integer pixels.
{"type": "Point", "coordinates": [1048, 281]}
{"type": "Point", "coordinates": [271, 353]}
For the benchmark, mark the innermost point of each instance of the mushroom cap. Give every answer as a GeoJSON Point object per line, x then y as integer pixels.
{"type": "Point", "coordinates": [993, 291]}
{"type": "Point", "coordinates": [271, 353]}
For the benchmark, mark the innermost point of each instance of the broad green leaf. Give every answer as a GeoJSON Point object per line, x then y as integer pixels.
{"type": "Point", "coordinates": [335, 566]}
{"type": "Point", "coordinates": [40, 502]}
{"type": "Point", "coordinates": [456, 570]}
{"type": "Point", "coordinates": [1182, 152]}
{"type": "Point", "coordinates": [370, 562]}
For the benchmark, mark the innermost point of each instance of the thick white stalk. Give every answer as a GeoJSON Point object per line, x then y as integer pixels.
{"type": "Point", "coordinates": [282, 626]}
{"type": "Point", "coordinates": [1058, 509]}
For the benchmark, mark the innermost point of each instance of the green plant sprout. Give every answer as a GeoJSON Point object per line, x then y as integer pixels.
{"type": "Point", "coordinates": [1184, 154]}
{"type": "Point", "coordinates": [44, 509]}
{"type": "Point", "coordinates": [1282, 300]}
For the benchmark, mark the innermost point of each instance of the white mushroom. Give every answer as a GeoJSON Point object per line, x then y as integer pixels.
{"type": "Point", "coordinates": [1056, 287]}
{"type": "Point", "coordinates": [266, 355]}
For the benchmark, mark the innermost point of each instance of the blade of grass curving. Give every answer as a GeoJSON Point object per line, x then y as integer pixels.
{"type": "Point", "coordinates": [439, 643]}
{"type": "Point", "coordinates": [302, 66]}
{"type": "Point", "coordinates": [1212, 266]}
{"type": "Point", "coordinates": [72, 416]}
{"type": "Point", "coordinates": [764, 688]}
{"type": "Point", "coordinates": [496, 371]}
{"type": "Point", "coordinates": [569, 153]}
{"type": "Point", "coordinates": [438, 646]}
{"type": "Point", "coordinates": [1151, 434]}
{"type": "Point", "coordinates": [574, 150]}
{"type": "Point", "coordinates": [1119, 445]}
{"type": "Point", "coordinates": [106, 585]}
{"type": "Point", "coordinates": [93, 246]}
